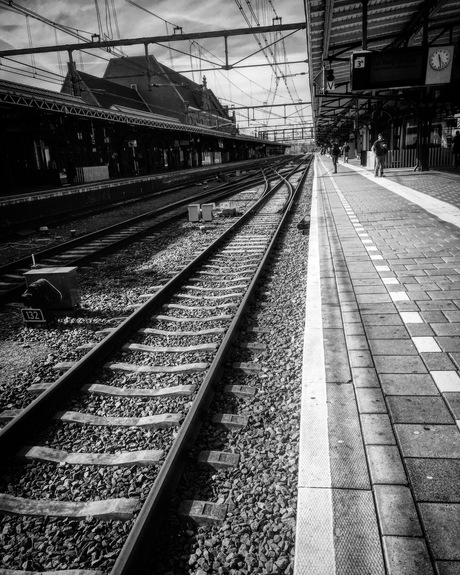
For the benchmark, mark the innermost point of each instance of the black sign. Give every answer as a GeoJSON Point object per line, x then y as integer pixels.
{"type": "Point", "coordinates": [33, 315]}
{"type": "Point", "coordinates": [389, 69]}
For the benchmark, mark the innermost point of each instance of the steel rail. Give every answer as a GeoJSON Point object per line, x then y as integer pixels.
{"type": "Point", "coordinates": [148, 523]}
{"type": "Point", "coordinates": [12, 434]}
{"type": "Point", "coordinates": [223, 192]}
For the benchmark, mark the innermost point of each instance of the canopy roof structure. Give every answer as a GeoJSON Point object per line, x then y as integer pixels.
{"type": "Point", "coordinates": [338, 28]}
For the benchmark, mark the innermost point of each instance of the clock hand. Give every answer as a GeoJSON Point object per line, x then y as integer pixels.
{"type": "Point", "coordinates": [439, 58]}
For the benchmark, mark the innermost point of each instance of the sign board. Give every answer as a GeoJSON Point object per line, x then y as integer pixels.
{"type": "Point", "coordinates": [33, 315]}
{"type": "Point", "coordinates": [402, 68]}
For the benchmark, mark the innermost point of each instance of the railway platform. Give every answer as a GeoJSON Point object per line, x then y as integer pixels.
{"type": "Point", "coordinates": [379, 462]}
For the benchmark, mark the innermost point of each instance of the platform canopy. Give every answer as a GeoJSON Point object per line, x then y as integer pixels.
{"type": "Point", "coordinates": [336, 29]}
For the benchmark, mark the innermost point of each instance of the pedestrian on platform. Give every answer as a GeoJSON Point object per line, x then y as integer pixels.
{"type": "Point", "coordinates": [335, 153]}
{"type": "Point", "coordinates": [456, 148]}
{"type": "Point", "coordinates": [346, 149]}
{"type": "Point", "coordinates": [380, 149]}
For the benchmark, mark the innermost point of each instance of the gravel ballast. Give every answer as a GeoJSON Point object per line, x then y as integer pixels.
{"type": "Point", "coordinates": [258, 533]}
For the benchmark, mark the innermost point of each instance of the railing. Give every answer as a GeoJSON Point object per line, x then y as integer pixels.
{"type": "Point", "coordinates": [437, 157]}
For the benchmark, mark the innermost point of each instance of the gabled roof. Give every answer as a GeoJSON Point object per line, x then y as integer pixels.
{"type": "Point", "coordinates": [165, 91]}
{"type": "Point", "coordinates": [103, 93]}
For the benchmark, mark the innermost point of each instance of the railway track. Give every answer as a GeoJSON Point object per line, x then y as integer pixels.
{"type": "Point", "coordinates": [182, 333]}
{"type": "Point", "coordinates": [90, 247]}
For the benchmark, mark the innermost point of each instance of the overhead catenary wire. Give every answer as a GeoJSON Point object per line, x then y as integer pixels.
{"type": "Point", "coordinates": [111, 19]}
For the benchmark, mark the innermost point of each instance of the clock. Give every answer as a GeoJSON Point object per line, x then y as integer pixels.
{"type": "Point", "coordinates": [439, 59]}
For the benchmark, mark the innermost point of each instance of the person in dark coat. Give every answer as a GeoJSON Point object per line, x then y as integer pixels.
{"type": "Point", "coordinates": [335, 153]}
{"type": "Point", "coordinates": [456, 149]}
{"type": "Point", "coordinates": [380, 149]}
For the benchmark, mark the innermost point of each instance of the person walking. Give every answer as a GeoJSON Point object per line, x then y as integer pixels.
{"type": "Point", "coordinates": [456, 148]}
{"type": "Point", "coordinates": [346, 149]}
{"type": "Point", "coordinates": [335, 153]}
{"type": "Point", "coordinates": [380, 149]}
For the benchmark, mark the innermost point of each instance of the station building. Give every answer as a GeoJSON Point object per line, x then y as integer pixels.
{"type": "Point", "coordinates": [140, 118]}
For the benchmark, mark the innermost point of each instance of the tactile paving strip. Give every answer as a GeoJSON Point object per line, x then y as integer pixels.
{"type": "Point", "coordinates": [346, 448]}
{"type": "Point", "coordinates": [357, 544]}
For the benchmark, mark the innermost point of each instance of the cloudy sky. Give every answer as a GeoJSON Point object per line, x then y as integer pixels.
{"type": "Point", "coordinates": [113, 19]}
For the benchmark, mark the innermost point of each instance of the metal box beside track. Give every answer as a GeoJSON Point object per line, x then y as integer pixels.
{"type": "Point", "coordinates": [63, 279]}
{"type": "Point", "coordinates": [194, 213]}
{"type": "Point", "coordinates": [206, 212]}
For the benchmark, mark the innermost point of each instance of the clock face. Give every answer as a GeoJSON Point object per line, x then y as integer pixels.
{"type": "Point", "coordinates": [439, 59]}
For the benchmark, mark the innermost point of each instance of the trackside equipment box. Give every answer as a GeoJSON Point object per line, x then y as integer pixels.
{"type": "Point", "coordinates": [206, 212]}
{"type": "Point", "coordinates": [194, 213]}
{"type": "Point", "coordinates": [63, 279]}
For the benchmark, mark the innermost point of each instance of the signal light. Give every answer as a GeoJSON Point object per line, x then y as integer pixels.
{"type": "Point", "coordinates": [330, 75]}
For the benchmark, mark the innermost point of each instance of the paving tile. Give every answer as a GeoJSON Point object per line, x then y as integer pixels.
{"type": "Point", "coordinates": [392, 347]}
{"type": "Point", "coordinates": [453, 401]}
{"type": "Point", "coordinates": [387, 332]}
{"type": "Point", "coordinates": [444, 305]}
{"type": "Point", "coordinates": [435, 480]}
{"type": "Point", "coordinates": [377, 429]}
{"type": "Point", "coordinates": [456, 358]}
{"type": "Point", "coordinates": [416, 287]}
{"type": "Point", "coordinates": [417, 296]}
{"type": "Point", "coordinates": [396, 511]}
{"type": "Point", "coordinates": [446, 380]}
{"type": "Point", "coordinates": [406, 556]}
{"type": "Point", "coordinates": [442, 526]}
{"type": "Point", "coordinates": [448, 294]}
{"type": "Point", "coordinates": [370, 400]}
{"type": "Point", "coordinates": [433, 316]}
{"type": "Point", "coordinates": [399, 296]}
{"type": "Point", "coordinates": [408, 384]}
{"type": "Point", "coordinates": [426, 344]}
{"type": "Point", "coordinates": [353, 329]}
{"type": "Point", "coordinates": [453, 316]}
{"type": "Point", "coordinates": [367, 282]}
{"type": "Point", "coordinates": [351, 317]}
{"type": "Point", "coordinates": [385, 464]}
{"type": "Point", "coordinates": [449, 329]}
{"type": "Point", "coordinates": [449, 343]}
{"type": "Point", "coordinates": [357, 342]}
{"type": "Point", "coordinates": [406, 306]}
{"type": "Point", "coordinates": [336, 356]}
{"type": "Point", "coordinates": [437, 441]}
{"type": "Point", "coordinates": [360, 358]}
{"type": "Point", "coordinates": [381, 319]}
{"type": "Point", "coordinates": [378, 308]}
{"type": "Point", "coordinates": [438, 361]}
{"type": "Point", "coordinates": [348, 306]}
{"type": "Point", "coordinates": [411, 317]}
{"type": "Point", "coordinates": [373, 298]}
{"type": "Point", "coordinates": [419, 330]}
{"type": "Point", "coordinates": [399, 364]}
{"type": "Point", "coordinates": [365, 377]}
{"type": "Point", "coordinates": [371, 289]}
{"type": "Point", "coordinates": [346, 297]}
{"type": "Point", "coordinates": [447, 567]}
{"type": "Point", "coordinates": [418, 409]}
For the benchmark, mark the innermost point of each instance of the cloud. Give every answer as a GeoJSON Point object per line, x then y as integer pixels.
{"type": "Point", "coordinates": [245, 86]}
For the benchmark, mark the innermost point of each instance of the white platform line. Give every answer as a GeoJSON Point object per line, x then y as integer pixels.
{"type": "Point", "coordinates": [314, 529]}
